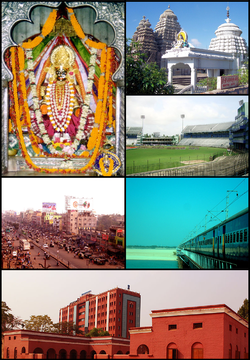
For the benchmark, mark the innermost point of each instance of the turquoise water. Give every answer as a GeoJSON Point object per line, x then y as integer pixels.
{"type": "Point", "coordinates": [151, 264]}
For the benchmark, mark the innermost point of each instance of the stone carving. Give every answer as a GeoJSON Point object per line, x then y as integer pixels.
{"type": "Point", "coordinates": [155, 43]}
{"type": "Point", "coordinates": [113, 13]}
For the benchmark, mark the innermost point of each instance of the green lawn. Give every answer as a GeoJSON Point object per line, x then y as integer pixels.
{"type": "Point", "coordinates": [148, 159]}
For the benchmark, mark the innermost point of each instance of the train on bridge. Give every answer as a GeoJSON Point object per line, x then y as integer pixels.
{"type": "Point", "coordinates": [226, 241]}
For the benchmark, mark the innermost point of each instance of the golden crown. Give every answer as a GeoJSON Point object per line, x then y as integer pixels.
{"type": "Point", "coordinates": [62, 56]}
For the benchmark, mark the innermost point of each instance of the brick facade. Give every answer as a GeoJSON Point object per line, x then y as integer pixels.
{"type": "Point", "coordinates": [26, 344]}
{"type": "Point", "coordinates": [209, 332]}
{"type": "Point", "coordinates": [115, 311]}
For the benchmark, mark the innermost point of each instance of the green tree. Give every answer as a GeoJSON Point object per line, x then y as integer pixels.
{"type": "Point", "coordinates": [243, 310]}
{"type": "Point", "coordinates": [141, 77]}
{"type": "Point", "coordinates": [67, 327]}
{"type": "Point", "coordinates": [97, 332]}
{"type": "Point", "coordinates": [243, 75]}
{"type": "Point", "coordinates": [9, 321]}
{"type": "Point", "coordinates": [41, 323]}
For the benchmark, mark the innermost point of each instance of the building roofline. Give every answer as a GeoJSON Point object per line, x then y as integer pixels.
{"type": "Point", "coordinates": [198, 310]}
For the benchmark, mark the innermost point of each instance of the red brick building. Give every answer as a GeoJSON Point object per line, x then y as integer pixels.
{"type": "Point", "coordinates": [26, 344]}
{"type": "Point", "coordinates": [115, 311]}
{"type": "Point", "coordinates": [209, 332]}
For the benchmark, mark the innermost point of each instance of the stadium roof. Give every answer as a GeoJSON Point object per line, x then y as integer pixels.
{"type": "Point", "coordinates": [208, 128]}
{"type": "Point", "coordinates": [133, 130]}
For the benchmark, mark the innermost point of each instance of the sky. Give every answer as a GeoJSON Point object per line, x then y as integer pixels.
{"type": "Point", "coordinates": [164, 211]}
{"type": "Point", "coordinates": [20, 194]}
{"type": "Point", "coordinates": [163, 113]}
{"type": "Point", "coordinates": [45, 292]}
{"type": "Point", "coordinates": [199, 20]}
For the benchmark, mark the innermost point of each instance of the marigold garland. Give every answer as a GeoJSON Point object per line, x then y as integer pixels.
{"type": "Point", "coordinates": [104, 96]}
{"type": "Point", "coordinates": [47, 28]}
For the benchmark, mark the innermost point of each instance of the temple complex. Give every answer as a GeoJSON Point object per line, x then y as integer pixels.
{"type": "Point", "coordinates": [155, 43]}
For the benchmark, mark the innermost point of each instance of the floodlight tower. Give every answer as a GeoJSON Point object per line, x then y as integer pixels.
{"type": "Point", "coordinates": [182, 117]}
{"type": "Point", "coordinates": [142, 118]}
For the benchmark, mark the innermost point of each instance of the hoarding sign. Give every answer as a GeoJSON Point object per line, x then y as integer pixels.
{"type": "Point", "coordinates": [81, 204]}
{"type": "Point", "coordinates": [46, 207]}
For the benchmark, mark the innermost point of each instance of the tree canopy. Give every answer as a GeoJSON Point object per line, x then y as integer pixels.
{"type": "Point", "coordinates": [41, 323]}
{"type": "Point", "coordinates": [9, 321]}
{"type": "Point", "coordinates": [243, 310]}
{"type": "Point", "coordinates": [97, 332]}
{"type": "Point", "coordinates": [67, 327]}
{"type": "Point", "coordinates": [141, 77]}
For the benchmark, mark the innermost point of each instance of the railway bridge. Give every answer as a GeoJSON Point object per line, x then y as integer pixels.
{"type": "Point", "coordinates": [200, 261]}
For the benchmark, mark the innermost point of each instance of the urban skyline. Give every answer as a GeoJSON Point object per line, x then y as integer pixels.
{"type": "Point", "coordinates": [24, 194]}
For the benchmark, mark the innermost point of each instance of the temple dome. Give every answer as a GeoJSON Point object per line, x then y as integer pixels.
{"type": "Point", "coordinates": [228, 39]}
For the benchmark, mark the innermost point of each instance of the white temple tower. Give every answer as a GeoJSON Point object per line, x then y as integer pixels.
{"type": "Point", "coordinates": [228, 40]}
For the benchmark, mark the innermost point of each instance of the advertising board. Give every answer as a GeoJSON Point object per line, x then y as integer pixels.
{"type": "Point", "coordinates": [81, 204]}
{"type": "Point", "coordinates": [48, 207]}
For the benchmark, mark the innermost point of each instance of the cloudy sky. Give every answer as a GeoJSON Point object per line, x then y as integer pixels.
{"type": "Point", "coordinates": [163, 113]}
{"type": "Point", "coordinates": [44, 292]}
{"type": "Point", "coordinates": [199, 19]}
{"type": "Point", "coordinates": [20, 194]}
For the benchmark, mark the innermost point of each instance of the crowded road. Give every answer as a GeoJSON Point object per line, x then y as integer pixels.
{"type": "Point", "coordinates": [52, 250]}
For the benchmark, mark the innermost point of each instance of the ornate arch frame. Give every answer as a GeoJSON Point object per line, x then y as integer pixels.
{"type": "Point", "coordinates": [110, 12]}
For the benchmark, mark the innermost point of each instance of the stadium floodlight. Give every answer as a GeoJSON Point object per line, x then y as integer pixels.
{"type": "Point", "coordinates": [182, 117]}
{"type": "Point", "coordinates": [142, 118]}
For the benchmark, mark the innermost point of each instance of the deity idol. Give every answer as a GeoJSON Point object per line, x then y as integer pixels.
{"type": "Point", "coordinates": [61, 100]}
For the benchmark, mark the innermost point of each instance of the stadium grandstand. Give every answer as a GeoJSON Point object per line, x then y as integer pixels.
{"type": "Point", "coordinates": [238, 136]}
{"type": "Point", "coordinates": [160, 140]}
{"type": "Point", "coordinates": [211, 135]}
{"type": "Point", "coordinates": [133, 135]}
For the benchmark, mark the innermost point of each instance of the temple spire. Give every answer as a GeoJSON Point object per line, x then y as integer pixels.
{"type": "Point", "coordinates": [228, 20]}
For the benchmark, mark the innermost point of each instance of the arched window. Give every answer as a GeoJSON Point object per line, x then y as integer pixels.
{"type": "Point", "coordinates": [237, 353]}
{"type": "Point", "coordinates": [15, 353]}
{"type": "Point", "coordinates": [51, 354]}
{"type": "Point", "coordinates": [73, 354]}
{"type": "Point", "coordinates": [142, 349]}
{"type": "Point", "coordinates": [62, 354]}
{"type": "Point", "coordinates": [7, 353]}
{"type": "Point", "coordinates": [23, 350]}
{"type": "Point", "coordinates": [172, 351]}
{"type": "Point", "coordinates": [197, 351]}
{"type": "Point", "coordinates": [83, 354]}
{"type": "Point", "coordinates": [102, 352]}
{"type": "Point", "coordinates": [230, 352]}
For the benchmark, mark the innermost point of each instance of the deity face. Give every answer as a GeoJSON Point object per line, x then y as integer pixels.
{"type": "Point", "coordinates": [61, 74]}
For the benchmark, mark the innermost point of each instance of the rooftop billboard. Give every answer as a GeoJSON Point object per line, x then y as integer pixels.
{"type": "Point", "coordinates": [48, 207]}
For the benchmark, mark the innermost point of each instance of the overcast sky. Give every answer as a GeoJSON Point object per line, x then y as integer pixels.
{"type": "Point", "coordinates": [199, 19]}
{"type": "Point", "coordinates": [44, 292]}
{"type": "Point", "coordinates": [163, 113]}
{"type": "Point", "coordinates": [20, 194]}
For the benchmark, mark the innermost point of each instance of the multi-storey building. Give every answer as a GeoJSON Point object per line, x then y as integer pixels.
{"type": "Point", "coordinates": [76, 221]}
{"type": "Point", "coordinates": [115, 311]}
{"type": "Point", "coordinates": [238, 135]}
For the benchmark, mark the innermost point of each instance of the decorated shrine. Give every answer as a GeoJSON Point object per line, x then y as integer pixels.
{"type": "Point", "coordinates": [63, 88]}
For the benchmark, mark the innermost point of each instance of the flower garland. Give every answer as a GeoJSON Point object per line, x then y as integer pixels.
{"type": "Point", "coordinates": [100, 116]}
{"type": "Point", "coordinates": [47, 28]}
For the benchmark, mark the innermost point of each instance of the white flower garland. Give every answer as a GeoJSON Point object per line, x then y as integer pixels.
{"type": "Point", "coordinates": [85, 107]}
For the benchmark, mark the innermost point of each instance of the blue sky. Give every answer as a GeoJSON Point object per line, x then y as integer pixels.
{"type": "Point", "coordinates": [199, 19]}
{"type": "Point", "coordinates": [164, 211]}
{"type": "Point", "coordinates": [163, 113]}
{"type": "Point", "coordinates": [49, 290]}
